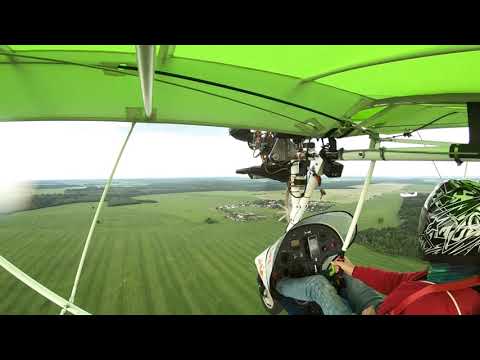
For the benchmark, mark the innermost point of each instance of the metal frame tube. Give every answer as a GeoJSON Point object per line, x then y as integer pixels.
{"type": "Point", "coordinates": [300, 205]}
{"type": "Point", "coordinates": [413, 141]}
{"type": "Point", "coordinates": [294, 191]}
{"type": "Point", "coordinates": [434, 153]}
{"type": "Point", "coordinates": [361, 201]}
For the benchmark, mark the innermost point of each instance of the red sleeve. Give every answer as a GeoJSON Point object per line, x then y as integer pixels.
{"type": "Point", "coordinates": [384, 281]}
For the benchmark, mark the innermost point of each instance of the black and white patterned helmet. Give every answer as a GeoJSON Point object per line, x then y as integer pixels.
{"type": "Point", "coordinates": [449, 226]}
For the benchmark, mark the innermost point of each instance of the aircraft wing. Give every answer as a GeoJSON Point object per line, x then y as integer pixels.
{"type": "Point", "coordinates": [307, 90]}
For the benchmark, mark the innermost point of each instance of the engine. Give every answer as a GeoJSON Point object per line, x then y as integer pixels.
{"type": "Point", "coordinates": [279, 151]}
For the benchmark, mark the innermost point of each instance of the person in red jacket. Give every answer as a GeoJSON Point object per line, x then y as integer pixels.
{"type": "Point", "coordinates": [397, 286]}
{"type": "Point", "coordinates": [449, 238]}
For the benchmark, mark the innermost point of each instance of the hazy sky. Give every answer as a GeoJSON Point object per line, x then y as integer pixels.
{"type": "Point", "coordinates": [87, 150]}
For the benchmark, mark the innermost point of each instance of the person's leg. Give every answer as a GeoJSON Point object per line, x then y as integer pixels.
{"type": "Point", "coordinates": [291, 307]}
{"type": "Point", "coordinates": [359, 295]}
{"type": "Point", "coordinates": [318, 289]}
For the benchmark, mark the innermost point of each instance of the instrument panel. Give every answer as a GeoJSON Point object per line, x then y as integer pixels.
{"type": "Point", "coordinates": [306, 250]}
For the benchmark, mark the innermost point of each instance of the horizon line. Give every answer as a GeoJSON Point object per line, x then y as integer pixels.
{"type": "Point", "coordinates": [238, 178]}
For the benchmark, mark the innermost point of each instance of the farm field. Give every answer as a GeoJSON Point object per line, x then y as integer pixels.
{"type": "Point", "coordinates": [344, 196]}
{"type": "Point", "coordinates": [158, 258]}
{"type": "Point", "coordinates": [383, 202]}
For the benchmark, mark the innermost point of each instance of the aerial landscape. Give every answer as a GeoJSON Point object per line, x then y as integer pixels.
{"type": "Point", "coordinates": [184, 246]}
{"type": "Point", "coordinates": [239, 179]}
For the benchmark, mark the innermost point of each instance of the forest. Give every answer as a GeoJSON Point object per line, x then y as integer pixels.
{"type": "Point", "coordinates": [401, 240]}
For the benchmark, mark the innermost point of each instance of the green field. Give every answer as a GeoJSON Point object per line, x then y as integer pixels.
{"type": "Point", "coordinates": [383, 201]}
{"type": "Point", "coordinates": [159, 258]}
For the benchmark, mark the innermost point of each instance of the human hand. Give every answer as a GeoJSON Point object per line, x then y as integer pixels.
{"type": "Point", "coordinates": [369, 311]}
{"type": "Point", "coordinates": [345, 264]}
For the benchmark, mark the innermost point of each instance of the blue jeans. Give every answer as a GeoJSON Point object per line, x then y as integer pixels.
{"type": "Point", "coordinates": [350, 300]}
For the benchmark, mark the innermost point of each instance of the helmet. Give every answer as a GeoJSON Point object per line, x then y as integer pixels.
{"type": "Point", "coordinates": [449, 226]}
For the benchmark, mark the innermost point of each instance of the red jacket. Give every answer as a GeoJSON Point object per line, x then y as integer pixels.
{"type": "Point", "coordinates": [397, 286]}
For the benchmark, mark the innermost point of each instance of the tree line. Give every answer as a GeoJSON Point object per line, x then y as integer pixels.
{"type": "Point", "coordinates": [401, 240]}
{"type": "Point", "coordinates": [117, 197]}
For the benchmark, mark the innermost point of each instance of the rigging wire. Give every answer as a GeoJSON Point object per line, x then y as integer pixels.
{"type": "Point", "coordinates": [433, 161]}
{"type": "Point", "coordinates": [410, 132]}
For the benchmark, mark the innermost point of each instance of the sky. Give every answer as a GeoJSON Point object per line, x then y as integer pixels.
{"type": "Point", "coordinates": [86, 150]}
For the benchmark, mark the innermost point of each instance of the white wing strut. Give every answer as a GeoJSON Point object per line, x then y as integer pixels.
{"type": "Point", "coordinates": [361, 201]}
{"type": "Point", "coordinates": [42, 290]}
{"type": "Point", "coordinates": [94, 221]}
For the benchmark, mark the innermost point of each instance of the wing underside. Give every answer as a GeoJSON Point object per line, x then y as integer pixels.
{"type": "Point", "coordinates": [306, 90]}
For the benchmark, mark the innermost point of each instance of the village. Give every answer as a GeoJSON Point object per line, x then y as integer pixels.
{"type": "Point", "coordinates": [232, 212]}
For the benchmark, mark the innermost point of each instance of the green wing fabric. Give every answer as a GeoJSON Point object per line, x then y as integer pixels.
{"type": "Point", "coordinates": [308, 90]}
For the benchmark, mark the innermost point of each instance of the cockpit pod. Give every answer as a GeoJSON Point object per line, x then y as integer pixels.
{"type": "Point", "coordinates": [306, 249]}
